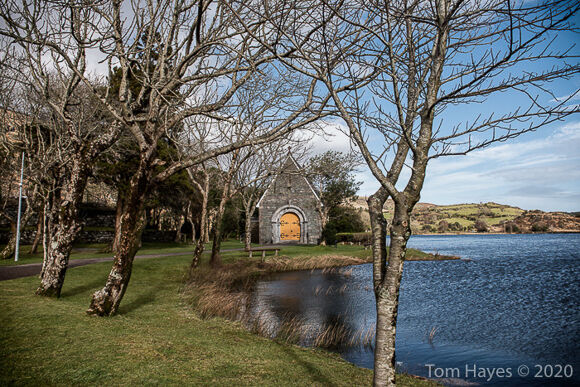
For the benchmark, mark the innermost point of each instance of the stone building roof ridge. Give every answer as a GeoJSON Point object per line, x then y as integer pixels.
{"type": "Point", "coordinates": [290, 160]}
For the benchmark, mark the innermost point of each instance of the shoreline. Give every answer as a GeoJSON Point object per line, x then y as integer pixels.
{"type": "Point", "coordinates": [497, 233]}
{"type": "Point", "coordinates": [155, 339]}
{"type": "Point", "coordinates": [228, 293]}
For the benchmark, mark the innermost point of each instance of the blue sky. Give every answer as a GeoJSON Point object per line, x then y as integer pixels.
{"type": "Point", "coordinates": [538, 170]}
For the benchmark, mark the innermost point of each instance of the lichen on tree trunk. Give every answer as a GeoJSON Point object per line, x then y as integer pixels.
{"type": "Point", "coordinates": [59, 244]}
{"type": "Point", "coordinates": [62, 227]}
{"type": "Point", "coordinates": [387, 273]}
{"type": "Point", "coordinates": [248, 227]}
{"type": "Point", "coordinates": [105, 302]}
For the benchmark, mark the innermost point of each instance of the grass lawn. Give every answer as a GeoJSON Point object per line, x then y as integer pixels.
{"type": "Point", "coordinates": [82, 251]}
{"type": "Point", "coordinates": [155, 339]}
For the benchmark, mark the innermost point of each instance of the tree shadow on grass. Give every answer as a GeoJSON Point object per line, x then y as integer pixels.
{"type": "Point", "coordinates": [317, 376]}
{"type": "Point", "coordinates": [141, 300]}
{"type": "Point", "coordinates": [94, 285]}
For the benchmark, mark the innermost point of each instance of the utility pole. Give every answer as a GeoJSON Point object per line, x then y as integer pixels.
{"type": "Point", "coordinates": [19, 211]}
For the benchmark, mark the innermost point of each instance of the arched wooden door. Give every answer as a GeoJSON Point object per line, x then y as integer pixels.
{"type": "Point", "coordinates": [289, 227]}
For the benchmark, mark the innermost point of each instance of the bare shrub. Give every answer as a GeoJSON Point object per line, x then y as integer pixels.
{"type": "Point", "coordinates": [480, 225]}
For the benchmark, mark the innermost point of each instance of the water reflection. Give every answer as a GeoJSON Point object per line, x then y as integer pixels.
{"type": "Point", "coordinates": [319, 306]}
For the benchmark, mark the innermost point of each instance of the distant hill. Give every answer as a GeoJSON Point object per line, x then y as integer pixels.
{"type": "Point", "coordinates": [430, 218]}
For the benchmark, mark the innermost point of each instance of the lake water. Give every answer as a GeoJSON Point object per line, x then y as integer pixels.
{"type": "Point", "coordinates": [513, 307]}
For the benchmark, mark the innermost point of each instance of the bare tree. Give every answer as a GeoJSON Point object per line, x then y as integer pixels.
{"type": "Point", "coordinates": [173, 60]}
{"type": "Point", "coordinates": [201, 180]}
{"type": "Point", "coordinates": [232, 162]}
{"type": "Point", "coordinates": [259, 104]}
{"type": "Point", "coordinates": [77, 119]}
{"type": "Point", "coordinates": [398, 70]}
{"type": "Point", "coordinates": [251, 181]}
{"type": "Point", "coordinates": [254, 176]}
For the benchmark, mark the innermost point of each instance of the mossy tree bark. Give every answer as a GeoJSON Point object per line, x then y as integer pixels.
{"type": "Point", "coordinates": [105, 302]}
{"type": "Point", "coordinates": [248, 225]}
{"type": "Point", "coordinates": [63, 227]}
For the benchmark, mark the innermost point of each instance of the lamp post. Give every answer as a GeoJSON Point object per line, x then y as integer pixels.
{"type": "Point", "coordinates": [19, 211]}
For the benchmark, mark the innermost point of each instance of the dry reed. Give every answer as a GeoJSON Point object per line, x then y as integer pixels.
{"type": "Point", "coordinates": [227, 292]}
{"type": "Point", "coordinates": [431, 335]}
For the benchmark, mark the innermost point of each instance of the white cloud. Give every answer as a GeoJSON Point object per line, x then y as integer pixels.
{"type": "Point", "coordinates": [97, 62]}
{"type": "Point", "coordinates": [570, 97]}
{"type": "Point", "coordinates": [536, 172]}
{"type": "Point", "coordinates": [541, 173]}
{"type": "Point", "coordinates": [333, 135]}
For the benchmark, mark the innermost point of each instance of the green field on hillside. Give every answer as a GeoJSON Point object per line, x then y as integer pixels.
{"type": "Point", "coordinates": [459, 217]}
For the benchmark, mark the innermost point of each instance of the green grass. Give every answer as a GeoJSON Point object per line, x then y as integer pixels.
{"type": "Point", "coordinates": [302, 251]}
{"type": "Point", "coordinates": [462, 221]}
{"type": "Point", "coordinates": [466, 214]}
{"type": "Point", "coordinates": [83, 251]}
{"type": "Point", "coordinates": [155, 338]}
{"type": "Point", "coordinates": [97, 250]}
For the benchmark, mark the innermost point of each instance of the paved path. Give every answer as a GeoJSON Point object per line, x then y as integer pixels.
{"type": "Point", "coordinates": [18, 271]}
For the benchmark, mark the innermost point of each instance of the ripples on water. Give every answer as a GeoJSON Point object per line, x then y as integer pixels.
{"type": "Point", "coordinates": [516, 302]}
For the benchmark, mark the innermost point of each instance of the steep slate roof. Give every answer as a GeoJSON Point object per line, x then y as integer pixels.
{"type": "Point", "coordinates": [290, 165]}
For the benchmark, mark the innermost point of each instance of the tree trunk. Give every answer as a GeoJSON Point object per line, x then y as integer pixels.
{"type": "Point", "coordinates": [63, 229]}
{"type": "Point", "coordinates": [248, 226]}
{"type": "Point", "coordinates": [38, 235]}
{"type": "Point", "coordinates": [8, 250]}
{"type": "Point", "coordinates": [203, 234]}
{"type": "Point", "coordinates": [208, 223]}
{"type": "Point", "coordinates": [47, 221]}
{"type": "Point", "coordinates": [105, 302]}
{"type": "Point", "coordinates": [60, 242]}
{"type": "Point", "coordinates": [376, 203]}
{"type": "Point", "coordinates": [199, 247]}
{"type": "Point", "coordinates": [215, 260]}
{"type": "Point", "coordinates": [323, 220]}
{"type": "Point", "coordinates": [193, 231]}
{"type": "Point", "coordinates": [387, 295]}
{"type": "Point", "coordinates": [118, 213]}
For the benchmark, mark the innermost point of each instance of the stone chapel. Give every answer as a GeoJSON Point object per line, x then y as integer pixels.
{"type": "Point", "coordinates": [288, 208]}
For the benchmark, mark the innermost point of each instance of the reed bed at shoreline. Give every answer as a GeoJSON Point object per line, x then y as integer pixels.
{"type": "Point", "coordinates": [227, 292]}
